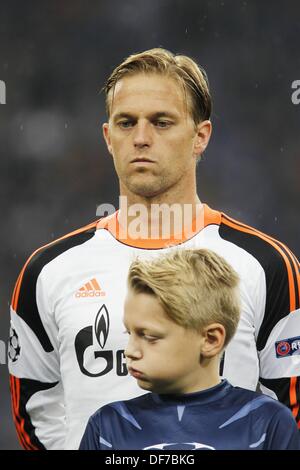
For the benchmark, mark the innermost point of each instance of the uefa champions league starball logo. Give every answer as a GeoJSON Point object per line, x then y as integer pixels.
{"type": "Point", "coordinates": [14, 348]}
{"type": "Point", "coordinates": [169, 446]}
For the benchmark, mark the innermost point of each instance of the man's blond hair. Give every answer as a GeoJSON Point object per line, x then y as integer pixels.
{"type": "Point", "coordinates": [182, 68]}
{"type": "Point", "coordinates": [194, 287]}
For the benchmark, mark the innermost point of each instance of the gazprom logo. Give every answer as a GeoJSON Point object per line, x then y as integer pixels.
{"type": "Point", "coordinates": [2, 92]}
{"type": "Point", "coordinates": [102, 326]}
{"type": "Point", "coordinates": [288, 347]}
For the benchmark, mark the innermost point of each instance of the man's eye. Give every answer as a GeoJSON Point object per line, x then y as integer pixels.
{"type": "Point", "coordinates": [125, 124]}
{"type": "Point", "coordinates": [162, 124]}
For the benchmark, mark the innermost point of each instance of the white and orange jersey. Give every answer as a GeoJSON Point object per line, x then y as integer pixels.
{"type": "Point", "coordinates": [67, 337]}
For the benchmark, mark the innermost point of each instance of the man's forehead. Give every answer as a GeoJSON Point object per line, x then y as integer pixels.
{"type": "Point", "coordinates": [152, 89]}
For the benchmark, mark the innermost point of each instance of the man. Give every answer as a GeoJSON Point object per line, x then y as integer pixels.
{"type": "Point", "coordinates": [67, 341]}
{"type": "Point", "coordinates": [186, 297]}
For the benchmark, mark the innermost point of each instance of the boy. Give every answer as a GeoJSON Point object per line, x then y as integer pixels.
{"type": "Point", "coordinates": [181, 311]}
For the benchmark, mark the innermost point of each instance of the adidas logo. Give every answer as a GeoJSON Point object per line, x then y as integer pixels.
{"type": "Point", "coordinates": [90, 289]}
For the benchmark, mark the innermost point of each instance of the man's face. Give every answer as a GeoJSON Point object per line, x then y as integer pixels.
{"type": "Point", "coordinates": [151, 135]}
{"type": "Point", "coordinates": [163, 356]}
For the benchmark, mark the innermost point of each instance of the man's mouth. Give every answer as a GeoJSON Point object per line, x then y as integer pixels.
{"type": "Point", "coordinates": [141, 160]}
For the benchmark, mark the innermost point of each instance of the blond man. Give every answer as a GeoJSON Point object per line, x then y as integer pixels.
{"type": "Point", "coordinates": [66, 342]}
{"type": "Point", "coordinates": [181, 311]}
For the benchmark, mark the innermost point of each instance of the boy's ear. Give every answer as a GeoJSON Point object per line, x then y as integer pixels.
{"type": "Point", "coordinates": [213, 338]}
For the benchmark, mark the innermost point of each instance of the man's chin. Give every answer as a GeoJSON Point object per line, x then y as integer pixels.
{"type": "Point", "coordinates": [144, 190]}
{"type": "Point", "coordinates": [144, 186]}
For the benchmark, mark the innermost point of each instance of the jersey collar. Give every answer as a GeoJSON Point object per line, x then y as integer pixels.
{"type": "Point", "coordinates": [202, 397]}
{"type": "Point", "coordinates": [111, 223]}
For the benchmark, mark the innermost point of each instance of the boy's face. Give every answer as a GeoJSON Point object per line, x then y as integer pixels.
{"type": "Point", "coordinates": [163, 356]}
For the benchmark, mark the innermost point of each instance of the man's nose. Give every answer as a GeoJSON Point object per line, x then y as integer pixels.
{"type": "Point", "coordinates": [132, 350]}
{"type": "Point", "coordinates": [142, 134]}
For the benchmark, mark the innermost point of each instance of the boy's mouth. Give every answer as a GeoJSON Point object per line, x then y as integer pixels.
{"type": "Point", "coordinates": [135, 373]}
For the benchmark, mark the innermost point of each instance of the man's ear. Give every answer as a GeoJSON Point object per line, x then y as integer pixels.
{"type": "Point", "coordinates": [106, 135]}
{"type": "Point", "coordinates": [213, 338]}
{"type": "Point", "coordinates": [203, 133]}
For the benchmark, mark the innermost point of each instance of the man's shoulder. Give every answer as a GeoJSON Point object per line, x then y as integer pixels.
{"type": "Point", "coordinates": [44, 255]}
{"type": "Point", "coordinates": [271, 253]}
{"type": "Point", "coordinates": [48, 252]}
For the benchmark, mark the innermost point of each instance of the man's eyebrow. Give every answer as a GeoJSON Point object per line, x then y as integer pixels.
{"type": "Point", "coordinates": [156, 115]}
{"type": "Point", "coordinates": [161, 114]}
{"type": "Point", "coordinates": [123, 115]}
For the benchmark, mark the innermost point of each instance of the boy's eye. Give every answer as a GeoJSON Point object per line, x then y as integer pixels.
{"type": "Point", "coordinates": [150, 338]}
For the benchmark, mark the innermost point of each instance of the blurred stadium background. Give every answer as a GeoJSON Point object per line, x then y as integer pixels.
{"type": "Point", "coordinates": [54, 168]}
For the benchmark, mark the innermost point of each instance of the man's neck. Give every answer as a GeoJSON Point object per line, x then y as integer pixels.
{"type": "Point", "coordinates": [159, 218]}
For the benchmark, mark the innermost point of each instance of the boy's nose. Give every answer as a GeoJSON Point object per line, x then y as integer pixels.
{"type": "Point", "coordinates": [132, 351]}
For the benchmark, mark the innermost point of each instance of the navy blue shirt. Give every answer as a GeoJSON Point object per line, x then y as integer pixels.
{"type": "Point", "coordinates": [222, 417]}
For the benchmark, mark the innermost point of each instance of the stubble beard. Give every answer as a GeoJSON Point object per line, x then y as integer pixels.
{"type": "Point", "coordinates": [147, 187]}
{"type": "Point", "coordinates": [150, 183]}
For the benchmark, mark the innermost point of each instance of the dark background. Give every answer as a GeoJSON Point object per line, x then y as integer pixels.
{"type": "Point", "coordinates": [55, 170]}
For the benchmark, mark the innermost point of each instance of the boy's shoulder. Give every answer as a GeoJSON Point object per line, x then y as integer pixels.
{"type": "Point", "coordinates": [122, 407]}
{"type": "Point", "coordinates": [240, 401]}
{"type": "Point", "coordinates": [251, 401]}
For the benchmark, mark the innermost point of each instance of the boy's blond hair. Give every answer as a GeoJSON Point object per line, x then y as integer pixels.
{"type": "Point", "coordinates": [182, 68]}
{"type": "Point", "coordinates": [195, 288]}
